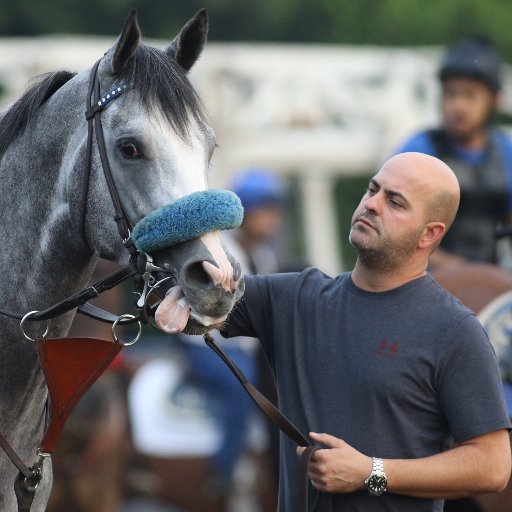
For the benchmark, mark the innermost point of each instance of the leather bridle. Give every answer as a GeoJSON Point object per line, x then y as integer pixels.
{"type": "Point", "coordinates": [93, 117]}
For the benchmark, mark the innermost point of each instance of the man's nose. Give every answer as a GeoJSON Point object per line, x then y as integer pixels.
{"type": "Point", "coordinates": [373, 203]}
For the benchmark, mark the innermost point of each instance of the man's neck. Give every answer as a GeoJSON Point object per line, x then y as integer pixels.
{"type": "Point", "coordinates": [374, 280]}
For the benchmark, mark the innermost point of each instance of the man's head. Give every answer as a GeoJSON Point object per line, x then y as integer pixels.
{"type": "Point", "coordinates": [408, 207]}
{"type": "Point", "coordinates": [470, 75]}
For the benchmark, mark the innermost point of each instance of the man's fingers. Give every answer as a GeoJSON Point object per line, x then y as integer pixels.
{"type": "Point", "coordinates": [327, 440]}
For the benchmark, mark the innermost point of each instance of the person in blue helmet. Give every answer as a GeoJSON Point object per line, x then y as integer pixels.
{"type": "Point", "coordinates": [479, 153]}
{"type": "Point", "coordinates": [262, 194]}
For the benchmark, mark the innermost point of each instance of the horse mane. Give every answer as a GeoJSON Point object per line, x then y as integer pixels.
{"type": "Point", "coordinates": [159, 79]}
{"type": "Point", "coordinates": [162, 82]}
{"type": "Point", "coordinates": [18, 116]}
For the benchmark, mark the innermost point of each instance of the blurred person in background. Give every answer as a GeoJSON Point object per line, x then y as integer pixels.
{"type": "Point", "coordinates": [262, 194]}
{"type": "Point", "coordinates": [479, 153]}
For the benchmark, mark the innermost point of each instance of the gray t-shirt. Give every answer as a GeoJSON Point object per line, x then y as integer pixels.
{"type": "Point", "coordinates": [396, 374]}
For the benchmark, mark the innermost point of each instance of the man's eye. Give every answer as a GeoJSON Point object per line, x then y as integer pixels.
{"type": "Point", "coordinates": [130, 151]}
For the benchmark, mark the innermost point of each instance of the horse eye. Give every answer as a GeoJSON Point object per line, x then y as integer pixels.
{"type": "Point", "coordinates": [129, 151]}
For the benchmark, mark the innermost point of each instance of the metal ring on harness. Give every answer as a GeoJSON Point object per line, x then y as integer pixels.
{"type": "Point", "coordinates": [126, 316]}
{"type": "Point", "coordinates": [22, 329]}
{"type": "Point", "coordinates": [145, 311]}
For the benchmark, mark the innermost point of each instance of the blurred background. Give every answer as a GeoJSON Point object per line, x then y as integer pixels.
{"type": "Point", "coordinates": [319, 93]}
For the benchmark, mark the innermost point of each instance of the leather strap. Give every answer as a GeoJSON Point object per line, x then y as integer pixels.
{"type": "Point", "coordinates": [26, 481]}
{"type": "Point", "coordinates": [93, 115]}
{"type": "Point", "coordinates": [84, 189]}
{"type": "Point", "coordinates": [304, 478]}
{"type": "Point", "coordinates": [81, 297]}
{"type": "Point", "coordinates": [71, 366]}
{"type": "Point", "coordinates": [268, 408]}
{"type": "Point", "coordinates": [99, 314]}
{"type": "Point", "coordinates": [23, 469]}
{"type": "Point", "coordinates": [283, 423]}
{"type": "Point", "coordinates": [25, 489]}
{"type": "Point", "coordinates": [90, 292]}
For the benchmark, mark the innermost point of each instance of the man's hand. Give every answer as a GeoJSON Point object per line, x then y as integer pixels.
{"type": "Point", "coordinates": [339, 468]}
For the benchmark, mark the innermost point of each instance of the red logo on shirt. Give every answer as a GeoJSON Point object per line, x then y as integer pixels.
{"type": "Point", "coordinates": [388, 348]}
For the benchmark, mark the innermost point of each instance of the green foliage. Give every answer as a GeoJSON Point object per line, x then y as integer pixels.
{"type": "Point", "coordinates": [380, 22]}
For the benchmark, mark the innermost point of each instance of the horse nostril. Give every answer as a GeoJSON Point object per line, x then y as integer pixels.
{"type": "Point", "coordinates": [200, 275]}
{"type": "Point", "coordinates": [195, 275]}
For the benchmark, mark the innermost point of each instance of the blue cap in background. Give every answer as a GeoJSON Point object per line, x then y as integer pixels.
{"type": "Point", "coordinates": [258, 188]}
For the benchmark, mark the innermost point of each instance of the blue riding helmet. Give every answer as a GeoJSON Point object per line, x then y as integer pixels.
{"type": "Point", "coordinates": [257, 188]}
{"type": "Point", "coordinates": [474, 57]}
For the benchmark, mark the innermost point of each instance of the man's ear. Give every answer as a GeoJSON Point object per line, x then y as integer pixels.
{"type": "Point", "coordinates": [432, 233]}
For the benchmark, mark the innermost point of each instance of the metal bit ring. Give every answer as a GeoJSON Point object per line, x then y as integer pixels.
{"type": "Point", "coordinates": [114, 325]}
{"type": "Point", "coordinates": [22, 326]}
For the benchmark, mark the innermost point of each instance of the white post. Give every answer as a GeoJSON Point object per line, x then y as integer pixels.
{"type": "Point", "coordinates": [320, 222]}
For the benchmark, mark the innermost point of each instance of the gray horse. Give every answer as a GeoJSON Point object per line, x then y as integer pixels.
{"type": "Point", "coordinates": [57, 215]}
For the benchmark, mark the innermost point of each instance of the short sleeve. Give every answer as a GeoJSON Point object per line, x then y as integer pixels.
{"type": "Point", "coordinates": [469, 384]}
{"type": "Point", "coordinates": [249, 308]}
{"type": "Point", "coordinates": [264, 297]}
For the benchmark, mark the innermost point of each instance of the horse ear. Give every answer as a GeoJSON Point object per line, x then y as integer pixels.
{"type": "Point", "coordinates": [188, 44]}
{"type": "Point", "coordinates": [127, 43]}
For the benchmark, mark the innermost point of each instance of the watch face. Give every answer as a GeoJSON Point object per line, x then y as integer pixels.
{"type": "Point", "coordinates": [377, 484]}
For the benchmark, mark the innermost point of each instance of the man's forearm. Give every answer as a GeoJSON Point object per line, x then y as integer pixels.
{"type": "Point", "coordinates": [472, 468]}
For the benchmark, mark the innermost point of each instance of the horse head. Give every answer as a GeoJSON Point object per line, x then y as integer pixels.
{"type": "Point", "coordinates": [158, 145]}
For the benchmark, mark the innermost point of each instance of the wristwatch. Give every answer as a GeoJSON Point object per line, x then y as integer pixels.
{"type": "Point", "coordinates": [376, 483]}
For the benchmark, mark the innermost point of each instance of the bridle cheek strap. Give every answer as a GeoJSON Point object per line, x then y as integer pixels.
{"type": "Point", "coordinates": [93, 116]}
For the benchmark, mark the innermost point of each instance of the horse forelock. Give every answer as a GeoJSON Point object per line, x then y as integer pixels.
{"type": "Point", "coordinates": [17, 118]}
{"type": "Point", "coordinates": [163, 84]}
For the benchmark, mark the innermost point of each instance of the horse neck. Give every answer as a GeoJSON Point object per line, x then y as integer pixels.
{"type": "Point", "coordinates": [43, 257]}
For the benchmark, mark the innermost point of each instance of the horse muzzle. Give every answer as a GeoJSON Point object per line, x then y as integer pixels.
{"type": "Point", "coordinates": [201, 291]}
{"type": "Point", "coordinates": [203, 280]}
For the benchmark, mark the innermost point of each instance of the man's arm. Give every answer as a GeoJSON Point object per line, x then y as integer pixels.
{"type": "Point", "coordinates": [481, 464]}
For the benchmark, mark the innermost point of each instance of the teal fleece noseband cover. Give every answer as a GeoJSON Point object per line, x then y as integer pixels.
{"type": "Point", "coordinates": [189, 217]}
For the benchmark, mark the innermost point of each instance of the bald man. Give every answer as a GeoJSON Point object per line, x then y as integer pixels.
{"type": "Point", "coordinates": [388, 372]}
